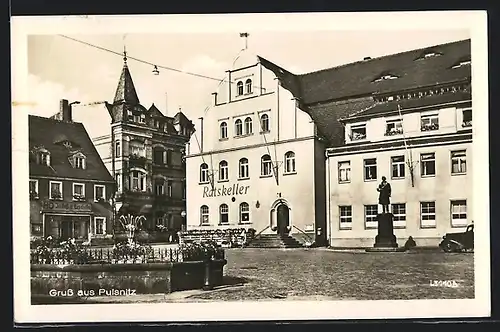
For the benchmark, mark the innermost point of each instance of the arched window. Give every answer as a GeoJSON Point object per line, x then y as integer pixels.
{"type": "Point", "coordinates": [203, 173]}
{"type": "Point", "coordinates": [138, 180]}
{"type": "Point", "coordinates": [223, 130]}
{"type": "Point", "coordinates": [239, 88]}
{"type": "Point", "coordinates": [223, 171]}
{"type": "Point", "coordinates": [248, 126]}
{"type": "Point", "coordinates": [289, 162]}
{"type": "Point", "coordinates": [248, 86]}
{"type": "Point", "coordinates": [243, 173]}
{"type": "Point", "coordinates": [239, 127]}
{"type": "Point", "coordinates": [264, 123]}
{"type": "Point", "coordinates": [204, 215]}
{"type": "Point", "coordinates": [265, 165]}
{"type": "Point", "coordinates": [244, 213]}
{"type": "Point", "coordinates": [223, 214]}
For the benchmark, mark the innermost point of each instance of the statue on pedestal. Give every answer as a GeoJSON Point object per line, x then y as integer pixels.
{"type": "Point", "coordinates": [384, 188]}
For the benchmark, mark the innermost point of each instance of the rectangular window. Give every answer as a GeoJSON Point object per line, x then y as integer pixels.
{"type": "Point", "coordinates": [118, 179]}
{"type": "Point", "coordinates": [458, 162]}
{"type": "Point", "coordinates": [34, 188]}
{"type": "Point", "coordinates": [358, 132]}
{"type": "Point", "coordinates": [79, 163]}
{"type": "Point", "coordinates": [459, 213]}
{"type": "Point", "coordinates": [399, 213]}
{"type": "Point", "coordinates": [370, 166]}
{"type": "Point", "coordinates": [159, 189]}
{"type": "Point", "coordinates": [100, 225]}
{"type": "Point", "coordinates": [398, 167]}
{"type": "Point", "coordinates": [371, 212]}
{"type": "Point", "coordinates": [99, 192]}
{"type": "Point", "coordinates": [118, 151]}
{"type": "Point", "coordinates": [345, 214]}
{"type": "Point", "coordinates": [224, 214]}
{"type": "Point", "coordinates": [467, 117]}
{"type": "Point", "coordinates": [55, 190]}
{"type": "Point", "coordinates": [428, 164]}
{"type": "Point", "coordinates": [78, 191]}
{"type": "Point", "coordinates": [169, 188]}
{"type": "Point", "coordinates": [158, 156]}
{"type": "Point", "coordinates": [394, 127]}
{"type": "Point", "coordinates": [344, 171]}
{"type": "Point", "coordinates": [429, 122]}
{"type": "Point", "coordinates": [159, 221]}
{"type": "Point", "coordinates": [427, 214]}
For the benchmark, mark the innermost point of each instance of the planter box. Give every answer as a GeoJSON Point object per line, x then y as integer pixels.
{"type": "Point", "coordinates": [84, 281]}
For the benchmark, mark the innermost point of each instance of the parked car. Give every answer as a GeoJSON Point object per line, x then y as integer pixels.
{"type": "Point", "coordinates": [459, 242]}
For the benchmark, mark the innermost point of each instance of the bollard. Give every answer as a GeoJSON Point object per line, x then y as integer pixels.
{"type": "Point", "coordinates": [207, 283]}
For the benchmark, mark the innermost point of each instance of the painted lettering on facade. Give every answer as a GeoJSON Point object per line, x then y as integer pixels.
{"type": "Point", "coordinates": [233, 190]}
{"type": "Point", "coordinates": [66, 206]}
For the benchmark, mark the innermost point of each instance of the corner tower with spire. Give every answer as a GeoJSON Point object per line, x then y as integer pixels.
{"type": "Point", "coordinates": [146, 158]}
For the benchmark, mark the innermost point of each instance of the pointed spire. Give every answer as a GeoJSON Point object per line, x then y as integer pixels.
{"type": "Point", "coordinates": [125, 92]}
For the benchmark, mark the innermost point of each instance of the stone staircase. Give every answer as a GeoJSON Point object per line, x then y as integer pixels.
{"type": "Point", "coordinates": [274, 241]}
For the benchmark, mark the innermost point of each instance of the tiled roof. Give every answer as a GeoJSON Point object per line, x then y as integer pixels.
{"type": "Point", "coordinates": [48, 133]}
{"type": "Point", "coordinates": [391, 106]}
{"type": "Point", "coordinates": [332, 93]}
{"type": "Point", "coordinates": [125, 92]}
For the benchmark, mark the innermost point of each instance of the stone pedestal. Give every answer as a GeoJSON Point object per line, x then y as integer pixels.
{"type": "Point", "coordinates": [385, 239]}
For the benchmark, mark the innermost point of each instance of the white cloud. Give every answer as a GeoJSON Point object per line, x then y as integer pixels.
{"type": "Point", "coordinates": [46, 95]}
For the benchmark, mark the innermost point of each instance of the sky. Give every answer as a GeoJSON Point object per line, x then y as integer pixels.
{"type": "Point", "coordinates": [60, 68]}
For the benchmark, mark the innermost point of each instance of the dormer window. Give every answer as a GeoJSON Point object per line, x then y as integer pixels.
{"type": "Point", "coordinates": [248, 86]}
{"type": "Point", "coordinates": [462, 63]}
{"type": "Point", "coordinates": [157, 124]}
{"type": "Point", "coordinates": [358, 132]}
{"type": "Point", "coordinates": [78, 160]}
{"type": "Point", "coordinates": [385, 77]}
{"type": "Point", "coordinates": [394, 127]}
{"type": "Point", "coordinates": [429, 54]}
{"type": "Point", "coordinates": [239, 88]}
{"type": "Point", "coordinates": [142, 118]}
{"type": "Point", "coordinates": [43, 157]}
{"type": "Point", "coordinates": [130, 115]}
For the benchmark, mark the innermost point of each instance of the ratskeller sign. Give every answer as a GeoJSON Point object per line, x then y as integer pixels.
{"type": "Point", "coordinates": [233, 190]}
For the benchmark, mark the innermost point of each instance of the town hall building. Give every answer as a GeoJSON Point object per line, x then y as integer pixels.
{"type": "Point", "coordinates": [303, 154]}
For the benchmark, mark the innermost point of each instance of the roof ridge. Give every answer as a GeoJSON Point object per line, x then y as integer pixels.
{"type": "Point", "coordinates": [382, 57]}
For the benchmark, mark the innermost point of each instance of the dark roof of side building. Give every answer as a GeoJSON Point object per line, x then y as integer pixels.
{"type": "Point", "coordinates": [51, 134]}
{"type": "Point", "coordinates": [332, 93]}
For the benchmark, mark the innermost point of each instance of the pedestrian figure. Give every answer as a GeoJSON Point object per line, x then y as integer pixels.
{"type": "Point", "coordinates": [384, 188]}
{"type": "Point", "coordinates": [410, 243]}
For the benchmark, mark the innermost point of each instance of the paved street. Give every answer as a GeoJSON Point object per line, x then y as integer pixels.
{"type": "Point", "coordinates": [322, 274]}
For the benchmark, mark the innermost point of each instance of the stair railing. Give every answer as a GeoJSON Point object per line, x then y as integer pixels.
{"type": "Point", "coordinates": [258, 234]}
{"type": "Point", "coordinates": [307, 235]}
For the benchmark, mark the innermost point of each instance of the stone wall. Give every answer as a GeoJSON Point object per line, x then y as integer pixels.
{"type": "Point", "coordinates": [88, 280]}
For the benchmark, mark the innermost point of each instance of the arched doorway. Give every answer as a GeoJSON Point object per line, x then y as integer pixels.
{"type": "Point", "coordinates": [282, 219]}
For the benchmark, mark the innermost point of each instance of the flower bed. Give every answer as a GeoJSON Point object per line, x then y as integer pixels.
{"type": "Point", "coordinates": [230, 237]}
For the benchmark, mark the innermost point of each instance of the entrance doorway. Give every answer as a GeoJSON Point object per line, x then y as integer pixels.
{"type": "Point", "coordinates": [282, 219]}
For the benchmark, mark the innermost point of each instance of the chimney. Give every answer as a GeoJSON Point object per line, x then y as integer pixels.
{"type": "Point", "coordinates": [366, 58]}
{"type": "Point", "coordinates": [65, 111]}
{"type": "Point", "coordinates": [215, 98]}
